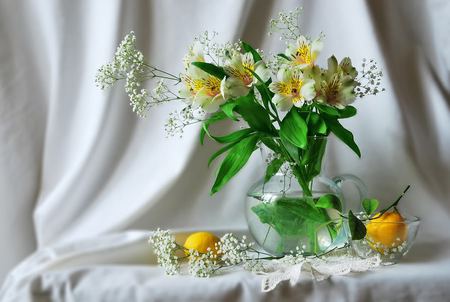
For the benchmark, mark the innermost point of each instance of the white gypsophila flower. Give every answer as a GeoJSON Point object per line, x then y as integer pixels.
{"type": "Point", "coordinates": [231, 250]}
{"type": "Point", "coordinates": [162, 94]}
{"type": "Point", "coordinates": [286, 25]}
{"type": "Point", "coordinates": [179, 119]}
{"type": "Point", "coordinates": [216, 52]}
{"type": "Point", "coordinates": [294, 257]}
{"type": "Point", "coordinates": [138, 96]}
{"type": "Point", "coordinates": [369, 83]}
{"type": "Point", "coordinates": [128, 64]}
{"type": "Point", "coordinates": [254, 266]}
{"type": "Point", "coordinates": [165, 247]}
{"type": "Point", "coordinates": [126, 58]}
{"type": "Point", "coordinates": [202, 264]}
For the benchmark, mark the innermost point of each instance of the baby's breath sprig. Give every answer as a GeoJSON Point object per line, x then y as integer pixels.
{"type": "Point", "coordinates": [165, 249]}
{"type": "Point", "coordinates": [202, 264]}
{"type": "Point", "coordinates": [228, 252]}
{"type": "Point", "coordinates": [179, 119]}
{"type": "Point", "coordinates": [286, 25]}
{"type": "Point", "coordinates": [128, 64]}
{"type": "Point", "coordinates": [369, 80]}
{"type": "Point", "coordinates": [217, 52]}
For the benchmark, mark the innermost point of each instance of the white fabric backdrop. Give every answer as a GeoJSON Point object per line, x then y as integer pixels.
{"type": "Point", "coordinates": [77, 164]}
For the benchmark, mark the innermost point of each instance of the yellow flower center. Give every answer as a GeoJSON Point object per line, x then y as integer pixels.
{"type": "Point", "coordinates": [244, 73]}
{"type": "Point", "coordinates": [291, 88]}
{"type": "Point", "coordinates": [189, 83]}
{"type": "Point", "coordinates": [211, 85]}
{"type": "Point", "coordinates": [247, 76]}
{"type": "Point", "coordinates": [303, 55]}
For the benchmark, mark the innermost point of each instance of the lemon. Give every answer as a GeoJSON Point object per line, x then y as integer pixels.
{"type": "Point", "coordinates": [386, 231]}
{"type": "Point", "coordinates": [201, 241]}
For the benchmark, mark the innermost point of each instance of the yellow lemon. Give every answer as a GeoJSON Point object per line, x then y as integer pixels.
{"type": "Point", "coordinates": [386, 231]}
{"type": "Point", "coordinates": [201, 241]}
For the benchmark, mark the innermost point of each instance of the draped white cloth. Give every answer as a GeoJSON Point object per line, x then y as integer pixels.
{"type": "Point", "coordinates": [79, 171]}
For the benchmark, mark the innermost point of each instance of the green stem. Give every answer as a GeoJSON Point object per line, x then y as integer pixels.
{"type": "Point", "coordinates": [393, 205]}
{"type": "Point", "coordinates": [300, 176]}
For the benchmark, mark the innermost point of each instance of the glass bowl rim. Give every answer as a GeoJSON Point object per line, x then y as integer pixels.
{"type": "Point", "coordinates": [407, 219]}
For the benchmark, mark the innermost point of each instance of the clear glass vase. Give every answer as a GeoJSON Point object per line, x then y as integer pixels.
{"type": "Point", "coordinates": [282, 217]}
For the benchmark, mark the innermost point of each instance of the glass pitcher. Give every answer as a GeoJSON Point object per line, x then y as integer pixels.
{"type": "Point", "coordinates": [282, 218]}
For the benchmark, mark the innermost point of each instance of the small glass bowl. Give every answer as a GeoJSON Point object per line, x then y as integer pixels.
{"type": "Point", "coordinates": [390, 240]}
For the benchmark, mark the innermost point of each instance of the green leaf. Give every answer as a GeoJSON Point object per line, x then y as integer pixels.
{"type": "Point", "coordinates": [248, 48]}
{"type": "Point", "coordinates": [272, 168]}
{"type": "Point", "coordinates": [292, 150]}
{"type": "Point", "coordinates": [291, 216]}
{"type": "Point", "coordinates": [270, 143]}
{"type": "Point", "coordinates": [212, 69]}
{"type": "Point", "coordinates": [294, 129]}
{"type": "Point", "coordinates": [314, 151]}
{"type": "Point", "coordinates": [266, 98]}
{"type": "Point", "coordinates": [233, 137]}
{"type": "Point", "coordinates": [357, 227]}
{"type": "Point", "coordinates": [370, 205]}
{"type": "Point", "coordinates": [296, 217]}
{"type": "Point", "coordinates": [266, 94]}
{"type": "Point", "coordinates": [228, 109]}
{"type": "Point", "coordinates": [328, 110]}
{"type": "Point", "coordinates": [316, 124]}
{"type": "Point", "coordinates": [254, 114]}
{"type": "Point", "coordinates": [282, 55]}
{"type": "Point", "coordinates": [347, 112]}
{"type": "Point", "coordinates": [220, 152]}
{"type": "Point", "coordinates": [215, 117]}
{"type": "Point", "coordinates": [329, 201]}
{"type": "Point", "coordinates": [302, 208]}
{"type": "Point", "coordinates": [343, 134]}
{"type": "Point", "coordinates": [236, 158]}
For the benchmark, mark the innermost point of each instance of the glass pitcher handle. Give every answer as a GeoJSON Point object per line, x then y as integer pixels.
{"type": "Point", "coordinates": [358, 183]}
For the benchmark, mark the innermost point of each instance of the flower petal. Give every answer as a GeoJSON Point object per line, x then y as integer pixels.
{"type": "Point", "coordinates": [283, 103]}
{"type": "Point", "coordinates": [299, 103]}
{"type": "Point", "coordinates": [196, 73]}
{"type": "Point", "coordinates": [278, 87]}
{"type": "Point", "coordinates": [214, 104]}
{"type": "Point", "coordinates": [186, 93]}
{"type": "Point", "coordinates": [232, 87]}
{"type": "Point", "coordinates": [247, 59]}
{"type": "Point", "coordinates": [284, 74]}
{"type": "Point", "coordinates": [308, 90]}
{"type": "Point", "coordinates": [201, 97]}
{"type": "Point", "coordinates": [316, 48]}
{"type": "Point", "coordinates": [262, 71]}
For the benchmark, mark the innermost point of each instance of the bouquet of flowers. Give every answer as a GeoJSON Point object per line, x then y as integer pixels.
{"type": "Point", "coordinates": [283, 101]}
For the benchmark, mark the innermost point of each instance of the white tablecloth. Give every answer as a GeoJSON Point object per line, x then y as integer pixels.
{"type": "Point", "coordinates": [121, 267]}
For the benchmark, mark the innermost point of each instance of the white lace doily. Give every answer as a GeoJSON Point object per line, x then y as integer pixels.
{"type": "Point", "coordinates": [336, 263]}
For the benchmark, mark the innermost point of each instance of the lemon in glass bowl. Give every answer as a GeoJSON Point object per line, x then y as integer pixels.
{"type": "Point", "coordinates": [389, 235]}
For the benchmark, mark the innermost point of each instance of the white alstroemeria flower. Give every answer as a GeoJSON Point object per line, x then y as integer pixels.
{"type": "Point", "coordinates": [200, 88]}
{"type": "Point", "coordinates": [240, 80]}
{"type": "Point", "coordinates": [303, 52]}
{"type": "Point", "coordinates": [208, 96]}
{"type": "Point", "coordinates": [192, 81]}
{"type": "Point", "coordinates": [291, 89]}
